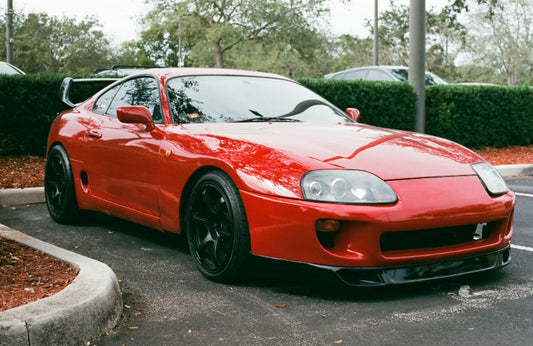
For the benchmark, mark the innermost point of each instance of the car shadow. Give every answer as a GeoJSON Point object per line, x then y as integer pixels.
{"type": "Point", "coordinates": [297, 278]}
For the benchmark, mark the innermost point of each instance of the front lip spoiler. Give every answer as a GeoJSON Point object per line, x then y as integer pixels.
{"type": "Point", "coordinates": [382, 276]}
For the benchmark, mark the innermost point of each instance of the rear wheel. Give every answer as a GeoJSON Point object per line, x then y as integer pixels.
{"type": "Point", "coordinates": [59, 188]}
{"type": "Point", "coordinates": [217, 228]}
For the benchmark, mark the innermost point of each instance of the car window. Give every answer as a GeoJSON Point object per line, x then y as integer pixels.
{"type": "Point", "coordinates": [215, 99]}
{"type": "Point", "coordinates": [401, 74]}
{"type": "Point", "coordinates": [140, 91]}
{"type": "Point", "coordinates": [378, 75]}
{"type": "Point", "coordinates": [102, 104]}
{"type": "Point", "coordinates": [359, 74]}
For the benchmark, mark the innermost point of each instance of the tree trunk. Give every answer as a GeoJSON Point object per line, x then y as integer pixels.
{"type": "Point", "coordinates": [219, 54]}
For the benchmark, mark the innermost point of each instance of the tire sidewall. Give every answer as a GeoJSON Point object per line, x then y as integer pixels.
{"type": "Point", "coordinates": [67, 212]}
{"type": "Point", "coordinates": [236, 266]}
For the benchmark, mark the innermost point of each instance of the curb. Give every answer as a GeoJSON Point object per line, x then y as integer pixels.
{"type": "Point", "coordinates": [509, 171]}
{"type": "Point", "coordinates": [87, 308]}
{"type": "Point", "coordinates": [21, 196]}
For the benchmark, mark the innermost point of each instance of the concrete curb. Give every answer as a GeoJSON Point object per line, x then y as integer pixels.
{"type": "Point", "coordinates": [515, 170]}
{"type": "Point", "coordinates": [90, 306]}
{"type": "Point", "coordinates": [21, 196]}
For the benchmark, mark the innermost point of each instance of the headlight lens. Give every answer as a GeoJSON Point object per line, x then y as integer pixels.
{"type": "Point", "coordinates": [348, 187]}
{"type": "Point", "coordinates": [491, 179]}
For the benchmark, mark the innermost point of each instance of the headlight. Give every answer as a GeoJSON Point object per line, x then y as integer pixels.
{"type": "Point", "coordinates": [349, 187]}
{"type": "Point", "coordinates": [491, 179]}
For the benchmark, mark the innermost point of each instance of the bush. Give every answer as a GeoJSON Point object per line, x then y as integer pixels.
{"type": "Point", "coordinates": [474, 116]}
{"type": "Point", "coordinates": [28, 105]}
{"type": "Point", "coordinates": [385, 104]}
{"type": "Point", "coordinates": [479, 116]}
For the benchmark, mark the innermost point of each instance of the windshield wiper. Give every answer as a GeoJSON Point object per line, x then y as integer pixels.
{"type": "Point", "coordinates": [262, 118]}
{"type": "Point", "coordinates": [268, 119]}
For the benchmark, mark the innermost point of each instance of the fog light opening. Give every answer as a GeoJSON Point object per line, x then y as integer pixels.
{"type": "Point", "coordinates": [506, 257]}
{"type": "Point", "coordinates": [326, 230]}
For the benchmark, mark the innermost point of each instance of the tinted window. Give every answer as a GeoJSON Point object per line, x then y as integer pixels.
{"type": "Point", "coordinates": [102, 104]}
{"type": "Point", "coordinates": [378, 75]}
{"type": "Point", "coordinates": [142, 91]}
{"type": "Point", "coordinates": [401, 74]}
{"type": "Point", "coordinates": [359, 74]}
{"type": "Point", "coordinates": [216, 99]}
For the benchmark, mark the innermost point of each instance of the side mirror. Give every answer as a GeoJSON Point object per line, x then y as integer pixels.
{"type": "Point", "coordinates": [353, 113]}
{"type": "Point", "coordinates": [136, 115]}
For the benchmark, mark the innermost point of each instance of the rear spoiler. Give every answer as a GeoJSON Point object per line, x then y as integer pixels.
{"type": "Point", "coordinates": [67, 84]}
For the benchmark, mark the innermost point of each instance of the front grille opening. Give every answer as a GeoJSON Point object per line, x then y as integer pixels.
{"type": "Point", "coordinates": [433, 238]}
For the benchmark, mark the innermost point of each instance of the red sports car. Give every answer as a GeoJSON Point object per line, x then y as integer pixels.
{"type": "Point", "coordinates": [249, 163]}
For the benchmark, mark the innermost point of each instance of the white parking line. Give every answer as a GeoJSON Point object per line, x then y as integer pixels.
{"type": "Point", "coordinates": [520, 247]}
{"type": "Point", "coordinates": [523, 194]}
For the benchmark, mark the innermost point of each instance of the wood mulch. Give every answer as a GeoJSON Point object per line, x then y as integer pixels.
{"type": "Point", "coordinates": [27, 275]}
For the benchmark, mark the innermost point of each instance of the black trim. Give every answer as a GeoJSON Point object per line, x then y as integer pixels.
{"type": "Point", "coordinates": [381, 276]}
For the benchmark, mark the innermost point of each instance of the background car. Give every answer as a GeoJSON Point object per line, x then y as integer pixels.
{"type": "Point", "coordinates": [254, 163]}
{"type": "Point", "coordinates": [6, 68]}
{"type": "Point", "coordinates": [383, 73]}
{"type": "Point", "coordinates": [121, 70]}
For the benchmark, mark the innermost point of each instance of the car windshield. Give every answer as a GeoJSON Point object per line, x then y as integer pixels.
{"type": "Point", "coordinates": [403, 75]}
{"type": "Point", "coordinates": [226, 99]}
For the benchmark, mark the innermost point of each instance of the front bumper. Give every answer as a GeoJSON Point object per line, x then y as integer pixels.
{"type": "Point", "coordinates": [414, 273]}
{"type": "Point", "coordinates": [427, 225]}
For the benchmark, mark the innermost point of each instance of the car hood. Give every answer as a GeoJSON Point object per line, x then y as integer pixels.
{"type": "Point", "coordinates": [389, 154]}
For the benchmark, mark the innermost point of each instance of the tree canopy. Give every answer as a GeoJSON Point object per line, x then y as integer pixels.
{"type": "Point", "coordinates": [50, 44]}
{"type": "Point", "coordinates": [466, 40]}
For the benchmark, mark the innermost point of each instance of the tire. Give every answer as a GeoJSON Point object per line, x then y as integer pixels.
{"type": "Point", "coordinates": [59, 188]}
{"type": "Point", "coordinates": [217, 228]}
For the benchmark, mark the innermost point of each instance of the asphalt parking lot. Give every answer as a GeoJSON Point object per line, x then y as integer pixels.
{"type": "Point", "coordinates": [168, 302]}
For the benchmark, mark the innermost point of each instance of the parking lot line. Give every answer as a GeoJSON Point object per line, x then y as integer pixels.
{"type": "Point", "coordinates": [520, 247]}
{"type": "Point", "coordinates": [523, 194]}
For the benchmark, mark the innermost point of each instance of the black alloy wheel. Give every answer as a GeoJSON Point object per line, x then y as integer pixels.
{"type": "Point", "coordinates": [217, 228]}
{"type": "Point", "coordinates": [59, 188]}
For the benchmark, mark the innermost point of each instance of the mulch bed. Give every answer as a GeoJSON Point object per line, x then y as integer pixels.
{"type": "Point", "coordinates": [27, 275]}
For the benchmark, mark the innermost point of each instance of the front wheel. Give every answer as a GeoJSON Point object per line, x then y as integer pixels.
{"type": "Point", "coordinates": [217, 228]}
{"type": "Point", "coordinates": [59, 188]}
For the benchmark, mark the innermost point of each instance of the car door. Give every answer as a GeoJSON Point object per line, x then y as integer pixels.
{"type": "Point", "coordinates": [123, 165]}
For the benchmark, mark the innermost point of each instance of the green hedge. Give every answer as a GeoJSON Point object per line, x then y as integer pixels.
{"type": "Point", "coordinates": [474, 116]}
{"type": "Point", "coordinates": [385, 104]}
{"type": "Point", "coordinates": [479, 116]}
{"type": "Point", "coordinates": [28, 105]}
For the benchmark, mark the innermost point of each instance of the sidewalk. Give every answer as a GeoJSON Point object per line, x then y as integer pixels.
{"type": "Point", "coordinates": [92, 304]}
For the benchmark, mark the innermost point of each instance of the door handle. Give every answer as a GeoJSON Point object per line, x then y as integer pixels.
{"type": "Point", "coordinates": [95, 134]}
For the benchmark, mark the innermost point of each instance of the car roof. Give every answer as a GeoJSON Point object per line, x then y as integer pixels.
{"type": "Point", "coordinates": [7, 68]}
{"type": "Point", "coordinates": [170, 72]}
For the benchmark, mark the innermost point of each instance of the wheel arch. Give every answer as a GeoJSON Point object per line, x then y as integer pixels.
{"type": "Point", "coordinates": [188, 188]}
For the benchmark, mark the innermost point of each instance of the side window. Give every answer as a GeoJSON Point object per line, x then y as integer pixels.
{"type": "Point", "coordinates": [359, 74]}
{"type": "Point", "coordinates": [378, 75]}
{"type": "Point", "coordinates": [142, 91]}
{"type": "Point", "coordinates": [102, 104]}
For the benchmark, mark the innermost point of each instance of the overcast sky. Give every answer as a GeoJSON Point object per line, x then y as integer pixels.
{"type": "Point", "coordinates": [120, 18]}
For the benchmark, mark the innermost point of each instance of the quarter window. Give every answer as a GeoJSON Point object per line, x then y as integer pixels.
{"type": "Point", "coordinates": [142, 91]}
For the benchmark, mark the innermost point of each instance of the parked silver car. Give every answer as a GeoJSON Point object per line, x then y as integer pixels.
{"type": "Point", "coordinates": [6, 68]}
{"type": "Point", "coordinates": [383, 73]}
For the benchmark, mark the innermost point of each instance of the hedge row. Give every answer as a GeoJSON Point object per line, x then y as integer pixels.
{"type": "Point", "coordinates": [480, 116]}
{"type": "Point", "coordinates": [474, 116]}
{"type": "Point", "coordinates": [28, 105]}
